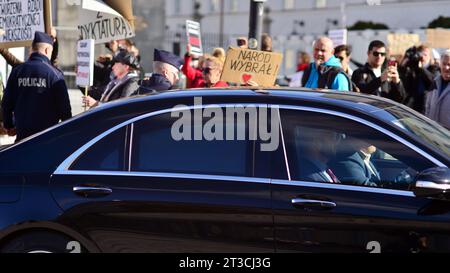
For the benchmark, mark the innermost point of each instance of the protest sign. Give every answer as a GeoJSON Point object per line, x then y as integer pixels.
{"type": "Point", "coordinates": [399, 43]}
{"type": "Point", "coordinates": [243, 66]}
{"type": "Point", "coordinates": [85, 63]}
{"type": "Point", "coordinates": [438, 38]}
{"type": "Point", "coordinates": [104, 27]}
{"type": "Point", "coordinates": [338, 36]}
{"type": "Point", "coordinates": [194, 37]}
{"type": "Point", "coordinates": [20, 19]}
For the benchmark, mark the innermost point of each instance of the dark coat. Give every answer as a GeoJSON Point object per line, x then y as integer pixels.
{"type": "Point", "coordinates": [308, 171]}
{"type": "Point", "coordinates": [368, 83]}
{"type": "Point", "coordinates": [351, 169]}
{"type": "Point", "coordinates": [156, 83]}
{"type": "Point", "coordinates": [418, 81]}
{"type": "Point", "coordinates": [35, 98]}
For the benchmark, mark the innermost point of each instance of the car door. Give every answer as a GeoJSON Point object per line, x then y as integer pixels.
{"type": "Point", "coordinates": [313, 213]}
{"type": "Point", "coordinates": [160, 193]}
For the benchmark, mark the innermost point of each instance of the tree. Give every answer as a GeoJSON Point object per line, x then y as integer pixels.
{"type": "Point", "coordinates": [441, 21]}
{"type": "Point", "coordinates": [362, 25]}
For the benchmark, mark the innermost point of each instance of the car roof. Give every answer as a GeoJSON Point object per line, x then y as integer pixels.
{"type": "Point", "coordinates": [349, 100]}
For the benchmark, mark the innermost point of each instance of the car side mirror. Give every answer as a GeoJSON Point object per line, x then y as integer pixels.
{"type": "Point", "coordinates": [433, 183]}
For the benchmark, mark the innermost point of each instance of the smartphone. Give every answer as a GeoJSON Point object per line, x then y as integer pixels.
{"type": "Point", "coordinates": [392, 62]}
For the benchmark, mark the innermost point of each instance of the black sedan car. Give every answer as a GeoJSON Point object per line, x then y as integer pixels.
{"type": "Point", "coordinates": [232, 170]}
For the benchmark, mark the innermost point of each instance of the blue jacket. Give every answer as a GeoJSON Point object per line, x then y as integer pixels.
{"type": "Point", "coordinates": [35, 98]}
{"type": "Point", "coordinates": [339, 83]}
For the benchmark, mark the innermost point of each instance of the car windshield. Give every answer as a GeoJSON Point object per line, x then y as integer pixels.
{"type": "Point", "coordinates": [427, 130]}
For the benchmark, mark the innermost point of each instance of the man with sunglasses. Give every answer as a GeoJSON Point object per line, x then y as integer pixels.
{"type": "Point", "coordinates": [375, 79]}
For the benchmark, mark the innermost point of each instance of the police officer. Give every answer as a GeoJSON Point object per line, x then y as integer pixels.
{"type": "Point", "coordinates": [36, 95]}
{"type": "Point", "coordinates": [166, 67]}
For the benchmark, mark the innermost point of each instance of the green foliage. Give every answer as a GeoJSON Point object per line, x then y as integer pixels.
{"type": "Point", "coordinates": [362, 25]}
{"type": "Point", "coordinates": [440, 22]}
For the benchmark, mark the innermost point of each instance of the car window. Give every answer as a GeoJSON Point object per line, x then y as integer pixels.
{"type": "Point", "coordinates": [106, 155]}
{"type": "Point", "coordinates": [330, 149]}
{"type": "Point", "coordinates": [158, 147]}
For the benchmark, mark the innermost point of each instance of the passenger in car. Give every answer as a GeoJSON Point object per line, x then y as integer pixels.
{"type": "Point", "coordinates": [315, 148]}
{"type": "Point", "coordinates": [353, 164]}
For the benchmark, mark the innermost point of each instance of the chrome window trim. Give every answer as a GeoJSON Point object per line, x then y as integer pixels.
{"type": "Point", "coordinates": [130, 147]}
{"type": "Point", "coordinates": [283, 142]}
{"type": "Point", "coordinates": [167, 175]}
{"type": "Point", "coordinates": [432, 185]}
{"type": "Point", "coordinates": [63, 168]}
{"type": "Point", "coordinates": [335, 186]}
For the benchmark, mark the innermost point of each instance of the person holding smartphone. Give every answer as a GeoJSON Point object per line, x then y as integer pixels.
{"type": "Point", "coordinates": [377, 80]}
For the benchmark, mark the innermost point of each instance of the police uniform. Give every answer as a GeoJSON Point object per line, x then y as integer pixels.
{"type": "Point", "coordinates": [158, 82]}
{"type": "Point", "coordinates": [36, 95]}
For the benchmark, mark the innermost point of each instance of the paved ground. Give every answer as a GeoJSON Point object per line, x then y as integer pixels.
{"type": "Point", "coordinates": [77, 108]}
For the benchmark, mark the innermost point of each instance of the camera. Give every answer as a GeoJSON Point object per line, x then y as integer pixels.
{"type": "Point", "coordinates": [413, 55]}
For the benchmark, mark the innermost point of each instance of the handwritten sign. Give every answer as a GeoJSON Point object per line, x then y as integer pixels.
{"type": "Point", "coordinates": [399, 43]}
{"type": "Point", "coordinates": [85, 63]}
{"type": "Point", "coordinates": [244, 65]}
{"type": "Point", "coordinates": [104, 27]}
{"type": "Point", "coordinates": [438, 38]}
{"type": "Point", "coordinates": [194, 37]}
{"type": "Point", "coordinates": [20, 19]}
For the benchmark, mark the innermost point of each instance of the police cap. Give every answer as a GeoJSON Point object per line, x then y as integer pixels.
{"type": "Point", "coordinates": [42, 37]}
{"type": "Point", "coordinates": [167, 57]}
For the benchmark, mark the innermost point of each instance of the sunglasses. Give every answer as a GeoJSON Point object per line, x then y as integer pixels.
{"type": "Point", "coordinates": [376, 54]}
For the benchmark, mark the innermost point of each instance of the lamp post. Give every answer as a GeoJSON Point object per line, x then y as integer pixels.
{"type": "Point", "coordinates": [255, 24]}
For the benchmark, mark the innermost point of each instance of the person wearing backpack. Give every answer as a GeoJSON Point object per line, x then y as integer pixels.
{"type": "Point", "coordinates": [326, 70]}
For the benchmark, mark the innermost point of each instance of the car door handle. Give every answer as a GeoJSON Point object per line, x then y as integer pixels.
{"type": "Point", "coordinates": [92, 191]}
{"type": "Point", "coordinates": [314, 204]}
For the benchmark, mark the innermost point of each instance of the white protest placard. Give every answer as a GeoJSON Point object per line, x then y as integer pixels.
{"type": "Point", "coordinates": [103, 24]}
{"type": "Point", "coordinates": [194, 37]}
{"type": "Point", "coordinates": [20, 19]}
{"type": "Point", "coordinates": [85, 63]}
{"type": "Point", "coordinates": [338, 36]}
{"type": "Point", "coordinates": [244, 65]}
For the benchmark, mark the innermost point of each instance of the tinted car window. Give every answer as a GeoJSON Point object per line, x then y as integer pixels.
{"type": "Point", "coordinates": [330, 149]}
{"type": "Point", "coordinates": [155, 149]}
{"type": "Point", "coordinates": [106, 155]}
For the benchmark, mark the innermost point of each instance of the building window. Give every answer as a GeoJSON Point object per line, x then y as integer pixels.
{"type": "Point", "coordinates": [177, 6]}
{"type": "Point", "coordinates": [321, 3]}
{"type": "Point", "coordinates": [289, 4]}
{"type": "Point", "coordinates": [233, 5]}
{"type": "Point", "coordinates": [214, 5]}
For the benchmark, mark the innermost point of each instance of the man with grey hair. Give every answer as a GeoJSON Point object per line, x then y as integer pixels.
{"type": "Point", "coordinates": [166, 67]}
{"type": "Point", "coordinates": [438, 101]}
{"type": "Point", "coordinates": [326, 70]}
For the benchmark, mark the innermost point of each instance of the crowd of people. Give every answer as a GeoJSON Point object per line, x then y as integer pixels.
{"type": "Point", "coordinates": [36, 95]}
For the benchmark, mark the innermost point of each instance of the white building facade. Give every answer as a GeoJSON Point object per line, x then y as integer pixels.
{"type": "Point", "coordinates": [294, 24]}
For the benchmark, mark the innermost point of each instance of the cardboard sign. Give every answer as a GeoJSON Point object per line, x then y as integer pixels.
{"type": "Point", "coordinates": [399, 43]}
{"type": "Point", "coordinates": [85, 63]}
{"type": "Point", "coordinates": [338, 36]}
{"type": "Point", "coordinates": [104, 27]}
{"type": "Point", "coordinates": [20, 19]}
{"type": "Point", "coordinates": [245, 65]}
{"type": "Point", "coordinates": [194, 37]}
{"type": "Point", "coordinates": [438, 38]}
